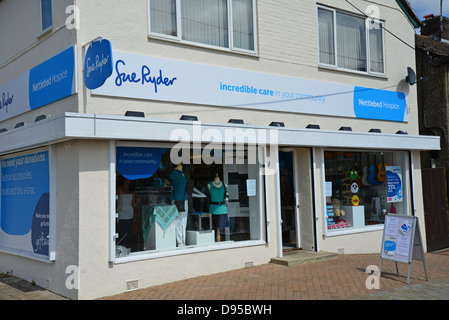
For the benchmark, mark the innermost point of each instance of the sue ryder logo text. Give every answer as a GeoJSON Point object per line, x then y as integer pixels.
{"type": "Point", "coordinates": [145, 77]}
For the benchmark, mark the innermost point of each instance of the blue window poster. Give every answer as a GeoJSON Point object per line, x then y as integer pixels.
{"type": "Point", "coordinates": [394, 184]}
{"type": "Point", "coordinates": [138, 163]}
{"type": "Point", "coordinates": [24, 215]}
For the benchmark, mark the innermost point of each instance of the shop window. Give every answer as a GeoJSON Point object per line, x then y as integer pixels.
{"type": "Point", "coordinates": [350, 42]}
{"type": "Point", "coordinates": [221, 199]}
{"type": "Point", "coordinates": [361, 187]}
{"type": "Point", "coordinates": [219, 23]}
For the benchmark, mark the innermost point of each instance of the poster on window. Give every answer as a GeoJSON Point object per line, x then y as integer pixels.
{"type": "Point", "coordinates": [24, 215]}
{"type": "Point", "coordinates": [394, 184]}
{"type": "Point", "coordinates": [138, 163]}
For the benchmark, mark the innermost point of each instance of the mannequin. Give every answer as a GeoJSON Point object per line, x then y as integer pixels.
{"type": "Point", "coordinates": [126, 203]}
{"type": "Point", "coordinates": [179, 182]}
{"type": "Point", "coordinates": [217, 208]}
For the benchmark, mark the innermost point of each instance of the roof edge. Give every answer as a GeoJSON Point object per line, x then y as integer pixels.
{"type": "Point", "coordinates": [409, 12]}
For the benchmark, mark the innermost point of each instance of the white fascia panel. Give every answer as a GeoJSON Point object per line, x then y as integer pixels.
{"type": "Point", "coordinates": [91, 126]}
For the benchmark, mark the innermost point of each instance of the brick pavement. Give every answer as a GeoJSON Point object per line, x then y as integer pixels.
{"type": "Point", "coordinates": [13, 288]}
{"type": "Point", "coordinates": [337, 279]}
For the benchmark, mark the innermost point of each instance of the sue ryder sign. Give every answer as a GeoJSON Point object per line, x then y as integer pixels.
{"type": "Point", "coordinates": [52, 80]}
{"type": "Point", "coordinates": [151, 78]}
{"type": "Point", "coordinates": [97, 63]}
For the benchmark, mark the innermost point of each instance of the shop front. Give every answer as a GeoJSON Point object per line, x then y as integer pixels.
{"type": "Point", "coordinates": [129, 200]}
{"type": "Point", "coordinates": [171, 198]}
{"type": "Point", "coordinates": [160, 201]}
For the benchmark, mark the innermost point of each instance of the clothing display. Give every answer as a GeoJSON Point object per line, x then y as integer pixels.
{"type": "Point", "coordinates": [150, 218]}
{"type": "Point", "coordinates": [162, 215]}
{"type": "Point", "coordinates": [181, 226]}
{"type": "Point", "coordinates": [179, 182]}
{"type": "Point", "coordinates": [218, 206]}
{"type": "Point", "coordinates": [217, 197]}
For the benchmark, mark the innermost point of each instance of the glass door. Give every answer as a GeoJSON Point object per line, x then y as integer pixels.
{"type": "Point", "coordinates": [289, 203]}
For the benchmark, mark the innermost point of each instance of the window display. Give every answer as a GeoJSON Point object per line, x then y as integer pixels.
{"type": "Point", "coordinates": [164, 206]}
{"type": "Point", "coordinates": [361, 187]}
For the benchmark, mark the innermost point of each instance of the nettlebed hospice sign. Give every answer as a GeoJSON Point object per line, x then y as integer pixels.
{"type": "Point", "coordinates": [50, 81]}
{"type": "Point", "coordinates": [150, 78]}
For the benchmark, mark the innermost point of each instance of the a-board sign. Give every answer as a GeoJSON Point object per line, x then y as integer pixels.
{"type": "Point", "coordinates": [401, 241]}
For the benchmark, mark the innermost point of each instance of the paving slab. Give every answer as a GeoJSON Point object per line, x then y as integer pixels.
{"type": "Point", "coordinates": [302, 256]}
{"type": "Point", "coordinates": [322, 277]}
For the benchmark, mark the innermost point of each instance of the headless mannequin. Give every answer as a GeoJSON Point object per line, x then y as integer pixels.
{"type": "Point", "coordinates": [218, 184]}
{"type": "Point", "coordinates": [181, 219]}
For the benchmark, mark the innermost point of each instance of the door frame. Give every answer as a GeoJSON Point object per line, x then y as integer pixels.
{"type": "Point", "coordinates": [296, 197]}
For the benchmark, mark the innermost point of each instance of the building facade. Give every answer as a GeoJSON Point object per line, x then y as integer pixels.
{"type": "Point", "coordinates": [432, 61]}
{"type": "Point", "coordinates": [158, 140]}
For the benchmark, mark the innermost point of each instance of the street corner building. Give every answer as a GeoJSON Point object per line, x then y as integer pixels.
{"type": "Point", "coordinates": [152, 141]}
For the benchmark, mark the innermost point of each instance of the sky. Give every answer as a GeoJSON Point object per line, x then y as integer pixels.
{"type": "Point", "coordinates": [425, 7]}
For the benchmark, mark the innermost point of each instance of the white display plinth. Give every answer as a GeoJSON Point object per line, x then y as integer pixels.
{"type": "Point", "coordinates": [355, 215]}
{"type": "Point", "coordinates": [161, 239]}
{"type": "Point", "coordinates": [203, 237]}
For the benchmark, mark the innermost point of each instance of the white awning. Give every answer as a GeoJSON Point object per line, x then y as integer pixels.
{"type": "Point", "coordinates": [68, 126]}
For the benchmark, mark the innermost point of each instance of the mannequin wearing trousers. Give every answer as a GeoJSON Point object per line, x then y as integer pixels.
{"type": "Point", "coordinates": [179, 182]}
{"type": "Point", "coordinates": [218, 208]}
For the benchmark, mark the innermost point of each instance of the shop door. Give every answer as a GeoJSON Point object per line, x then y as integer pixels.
{"type": "Point", "coordinates": [436, 210]}
{"type": "Point", "coordinates": [289, 203]}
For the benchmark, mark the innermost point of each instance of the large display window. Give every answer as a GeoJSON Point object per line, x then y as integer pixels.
{"type": "Point", "coordinates": [361, 187]}
{"type": "Point", "coordinates": [163, 204]}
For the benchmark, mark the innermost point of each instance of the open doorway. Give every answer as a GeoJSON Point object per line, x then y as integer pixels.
{"type": "Point", "coordinates": [296, 197]}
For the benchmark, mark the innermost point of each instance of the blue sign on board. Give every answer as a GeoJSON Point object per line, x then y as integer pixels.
{"type": "Point", "coordinates": [52, 80]}
{"type": "Point", "coordinates": [379, 104]}
{"type": "Point", "coordinates": [98, 64]}
{"type": "Point", "coordinates": [138, 163]}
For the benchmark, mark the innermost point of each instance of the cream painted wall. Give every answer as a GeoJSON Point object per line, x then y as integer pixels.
{"type": "Point", "coordinates": [291, 26]}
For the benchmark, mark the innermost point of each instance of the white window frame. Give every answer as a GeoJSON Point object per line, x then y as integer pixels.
{"type": "Point", "coordinates": [145, 255]}
{"type": "Point", "coordinates": [368, 51]}
{"type": "Point", "coordinates": [178, 37]}
{"type": "Point", "coordinates": [43, 30]}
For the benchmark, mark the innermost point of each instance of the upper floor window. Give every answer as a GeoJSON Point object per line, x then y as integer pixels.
{"type": "Point", "coordinates": [350, 42]}
{"type": "Point", "coordinates": [219, 23]}
{"type": "Point", "coordinates": [46, 15]}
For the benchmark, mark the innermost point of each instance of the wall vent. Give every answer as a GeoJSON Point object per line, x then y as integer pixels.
{"type": "Point", "coordinates": [132, 285]}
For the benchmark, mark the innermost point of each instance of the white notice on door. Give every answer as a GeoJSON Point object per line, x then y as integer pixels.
{"type": "Point", "coordinates": [251, 187]}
